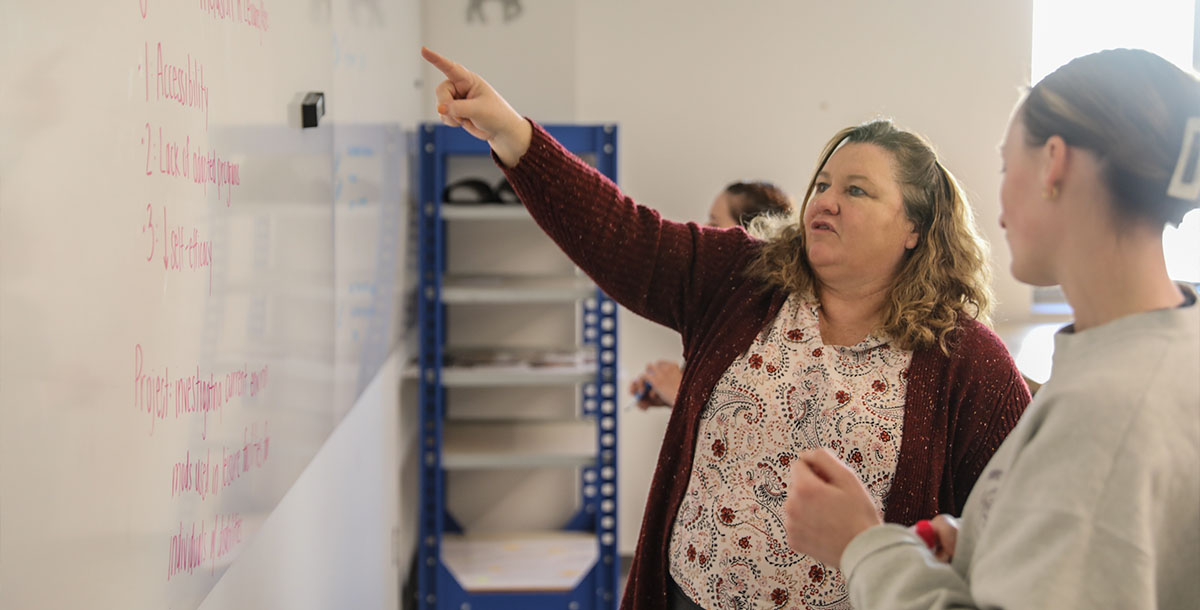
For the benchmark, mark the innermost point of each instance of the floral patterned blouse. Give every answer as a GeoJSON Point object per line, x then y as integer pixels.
{"type": "Point", "coordinates": [789, 392]}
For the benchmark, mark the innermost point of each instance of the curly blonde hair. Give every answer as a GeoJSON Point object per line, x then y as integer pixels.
{"type": "Point", "coordinates": [942, 279]}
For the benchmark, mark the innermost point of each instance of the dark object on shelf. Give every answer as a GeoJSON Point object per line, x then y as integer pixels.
{"type": "Point", "coordinates": [476, 190]}
{"type": "Point", "coordinates": [469, 190]}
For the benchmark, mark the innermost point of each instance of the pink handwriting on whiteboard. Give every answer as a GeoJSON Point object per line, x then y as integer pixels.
{"type": "Point", "coordinates": [198, 473]}
{"type": "Point", "coordinates": [188, 550]}
{"type": "Point", "coordinates": [166, 155]}
{"type": "Point", "coordinates": [227, 534]}
{"type": "Point", "coordinates": [252, 455]}
{"type": "Point", "coordinates": [242, 12]}
{"type": "Point", "coordinates": [186, 249]}
{"type": "Point", "coordinates": [197, 544]}
{"type": "Point", "coordinates": [183, 248]}
{"type": "Point", "coordinates": [161, 396]}
{"type": "Point", "coordinates": [192, 475]}
{"type": "Point", "coordinates": [181, 83]}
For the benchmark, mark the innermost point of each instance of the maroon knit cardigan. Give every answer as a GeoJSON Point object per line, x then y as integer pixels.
{"type": "Point", "coordinates": [690, 278]}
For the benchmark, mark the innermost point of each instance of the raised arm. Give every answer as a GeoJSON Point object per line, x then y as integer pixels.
{"type": "Point", "coordinates": [671, 273]}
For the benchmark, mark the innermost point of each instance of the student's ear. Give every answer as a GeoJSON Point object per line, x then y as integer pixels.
{"type": "Point", "coordinates": [1056, 156]}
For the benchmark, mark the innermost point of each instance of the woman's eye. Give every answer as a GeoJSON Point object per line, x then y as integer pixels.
{"type": "Point", "coordinates": [855, 191]}
{"type": "Point", "coordinates": [821, 187]}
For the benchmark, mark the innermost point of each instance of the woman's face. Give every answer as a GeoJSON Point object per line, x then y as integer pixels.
{"type": "Point", "coordinates": [1025, 218]}
{"type": "Point", "coordinates": [854, 224]}
{"type": "Point", "coordinates": [721, 213]}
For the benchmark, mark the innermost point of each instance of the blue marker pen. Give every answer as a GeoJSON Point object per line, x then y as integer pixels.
{"type": "Point", "coordinates": [640, 396]}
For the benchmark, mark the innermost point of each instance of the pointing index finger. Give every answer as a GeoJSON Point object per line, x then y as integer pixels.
{"type": "Point", "coordinates": [452, 70]}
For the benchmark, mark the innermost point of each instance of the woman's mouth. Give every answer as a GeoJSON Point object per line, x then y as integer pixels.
{"type": "Point", "coordinates": [821, 225]}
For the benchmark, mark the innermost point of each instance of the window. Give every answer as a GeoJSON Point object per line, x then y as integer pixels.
{"type": "Point", "coordinates": [1065, 29]}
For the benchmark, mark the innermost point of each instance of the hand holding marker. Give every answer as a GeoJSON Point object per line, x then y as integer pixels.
{"type": "Point", "coordinates": [642, 394]}
{"type": "Point", "coordinates": [658, 385]}
{"type": "Point", "coordinates": [940, 535]}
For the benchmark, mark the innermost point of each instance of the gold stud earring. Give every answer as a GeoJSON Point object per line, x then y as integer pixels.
{"type": "Point", "coordinates": [1051, 193]}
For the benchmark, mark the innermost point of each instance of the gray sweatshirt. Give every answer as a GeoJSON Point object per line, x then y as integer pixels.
{"type": "Point", "coordinates": [1093, 500]}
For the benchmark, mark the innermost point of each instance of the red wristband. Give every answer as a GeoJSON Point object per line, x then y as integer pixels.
{"type": "Point", "coordinates": [925, 530]}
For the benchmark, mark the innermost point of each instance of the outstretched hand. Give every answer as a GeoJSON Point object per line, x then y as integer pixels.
{"type": "Point", "coordinates": [466, 100]}
{"type": "Point", "coordinates": [827, 506]}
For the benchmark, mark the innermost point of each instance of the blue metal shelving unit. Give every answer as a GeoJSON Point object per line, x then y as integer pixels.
{"type": "Point", "coordinates": [436, 585]}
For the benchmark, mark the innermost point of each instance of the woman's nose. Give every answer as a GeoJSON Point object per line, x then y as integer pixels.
{"type": "Point", "coordinates": [824, 203]}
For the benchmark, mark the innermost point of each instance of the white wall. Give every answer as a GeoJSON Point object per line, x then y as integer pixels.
{"type": "Point", "coordinates": [708, 91]}
{"type": "Point", "coordinates": [531, 58]}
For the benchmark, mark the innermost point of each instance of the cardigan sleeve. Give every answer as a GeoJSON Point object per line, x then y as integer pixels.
{"type": "Point", "coordinates": [987, 401]}
{"type": "Point", "coordinates": [665, 271]}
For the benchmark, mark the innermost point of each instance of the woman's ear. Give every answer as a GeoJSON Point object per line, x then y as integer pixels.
{"type": "Point", "coordinates": [1055, 158]}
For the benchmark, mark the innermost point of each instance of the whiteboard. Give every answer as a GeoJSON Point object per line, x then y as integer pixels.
{"type": "Point", "coordinates": [193, 288]}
